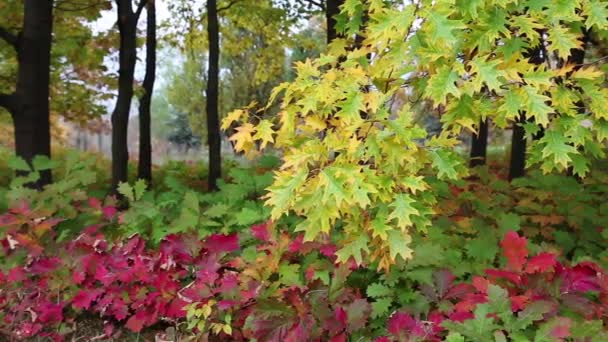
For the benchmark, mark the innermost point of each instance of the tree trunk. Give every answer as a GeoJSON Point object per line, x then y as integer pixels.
{"type": "Point", "coordinates": [332, 8]}
{"type": "Point", "coordinates": [29, 104]}
{"type": "Point", "coordinates": [144, 170]}
{"type": "Point", "coordinates": [213, 124]}
{"type": "Point", "coordinates": [518, 149]}
{"type": "Point", "coordinates": [479, 144]}
{"type": "Point", "coordinates": [127, 26]}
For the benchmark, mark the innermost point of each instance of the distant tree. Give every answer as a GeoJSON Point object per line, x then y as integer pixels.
{"type": "Point", "coordinates": [29, 103]}
{"type": "Point", "coordinates": [144, 170]}
{"type": "Point", "coordinates": [127, 26]}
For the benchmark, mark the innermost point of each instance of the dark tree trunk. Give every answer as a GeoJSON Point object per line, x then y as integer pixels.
{"type": "Point", "coordinates": [479, 144]}
{"type": "Point", "coordinates": [213, 126]}
{"type": "Point", "coordinates": [127, 26]}
{"type": "Point", "coordinates": [144, 170]}
{"type": "Point", "coordinates": [332, 8]}
{"type": "Point", "coordinates": [29, 104]}
{"type": "Point", "coordinates": [517, 168]}
{"type": "Point", "coordinates": [518, 149]}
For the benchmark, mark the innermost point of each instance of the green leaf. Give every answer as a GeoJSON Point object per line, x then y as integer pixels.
{"type": "Point", "coordinates": [487, 73]}
{"type": "Point", "coordinates": [381, 307]}
{"type": "Point", "coordinates": [289, 275]}
{"type": "Point", "coordinates": [441, 84]}
{"type": "Point", "coordinates": [353, 249]}
{"type": "Point", "coordinates": [398, 243]}
{"type": "Point", "coordinates": [377, 290]}
{"type": "Point", "coordinates": [42, 163]}
{"type": "Point", "coordinates": [125, 189]}
{"type": "Point", "coordinates": [445, 163]}
{"type": "Point", "coordinates": [402, 210]}
{"type": "Point", "coordinates": [562, 40]}
{"type": "Point", "coordinates": [248, 216]}
{"type": "Point", "coordinates": [139, 188]}
{"type": "Point", "coordinates": [557, 147]}
{"type": "Point", "coordinates": [597, 14]}
{"type": "Point", "coordinates": [483, 248]}
{"type": "Point", "coordinates": [18, 164]}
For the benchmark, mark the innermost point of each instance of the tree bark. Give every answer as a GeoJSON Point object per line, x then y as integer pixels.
{"type": "Point", "coordinates": [127, 26]}
{"type": "Point", "coordinates": [479, 144]}
{"type": "Point", "coordinates": [29, 104]}
{"type": "Point", "coordinates": [212, 92]}
{"type": "Point", "coordinates": [518, 149]}
{"type": "Point", "coordinates": [517, 167]}
{"type": "Point", "coordinates": [144, 170]}
{"type": "Point", "coordinates": [332, 8]}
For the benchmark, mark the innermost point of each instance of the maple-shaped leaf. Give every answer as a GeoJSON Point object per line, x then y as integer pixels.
{"type": "Point", "coordinates": [402, 210]}
{"type": "Point", "coordinates": [562, 40]}
{"type": "Point", "coordinates": [557, 147]}
{"type": "Point", "coordinates": [233, 116]}
{"type": "Point", "coordinates": [261, 231]}
{"type": "Point", "coordinates": [243, 138]}
{"type": "Point", "coordinates": [445, 162]}
{"type": "Point", "coordinates": [136, 322]}
{"type": "Point", "coordinates": [441, 84]}
{"type": "Point", "coordinates": [353, 249]}
{"type": "Point", "coordinates": [357, 314]}
{"type": "Point", "coordinates": [264, 133]}
{"type": "Point", "coordinates": [377, 290]}
{"type": "Point", "coordinates": [218, 243]}
{"type": "Point", "coordinates": [536, 106]}
{"type": "Point", "coordinates": [541, 263]}
{"type": "Point", "coordinates": [557, 329]}
{"type": "Point", "coordinates": [596, 12]}
{"type": "Point", "coordinates": [515, 250]}
{"type": "Point", "coordinates": [84, 298]}
{"type": "Point", "coordinates": [486, 72]}
{"type": "Point", "coordinates": [399, 244]}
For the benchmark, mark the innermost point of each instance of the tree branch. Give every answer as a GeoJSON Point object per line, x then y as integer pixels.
{"type": "Point", "coordinates": [320, 4]}
{"type": "Point", "coordinates": [10, 38]}
{"type": "Point", "coordinates": [140, 8]}
{"type": "Point", "coordinates": [8, 101]}
{"type": "Point", "coordinates": [599, 60]}
{"type": "Point", "coordinates": [230, 4]}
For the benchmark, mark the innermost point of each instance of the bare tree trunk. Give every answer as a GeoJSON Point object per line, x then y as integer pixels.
{"type": "Point", "coordinates": [332, 8]}
{"type": "Point", "coordinates": [144, 170]}
{"type": "Point", "coordinates": [127, 25]}
{"type": "Point", "coordinates": [29, 104]}
{"type": "Point", "coordinates": [212, 92]}
{"type": "Point", "coordinates": [479, 145]}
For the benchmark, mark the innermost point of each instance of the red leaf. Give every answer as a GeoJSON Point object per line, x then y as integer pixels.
{"type": "Point", "coordinates": [560, 327]}
{"type": "Point", "coordinates": [296, 245]}
{"type": "Point", "coordinates": [261, 232]}
{"type": "Point", "coordinates": [16, 274]}
{"type": "Point", "coordinates": [399, 322]}
{"type": "Point", "coordinates": [329, 250]}
{"type": "Point", "coordinates": [481, 284]}
{"type": "Point", "coordinates": [218, 243]}
{"type": "Point", "coordinates": [109, 212]}
{"type": "Point", "coordinates": [541, 263]}
{"type": "Point", "coordinates": [136, 322]}
{"type": "Point", "coordinates": [510, 276]}
{"type": "Point", "coordinates": [339, 338]}
{"type": "Point", "coordinates": [84, 298]}
{"type": "Point", "coordinates": [341, 316]}
{"type": "Point", "coordinates": [515, 250]}
{"type": "Point", "coordinates": [50, 312]}
{"type": "Point", "coordinates": [94, 203]}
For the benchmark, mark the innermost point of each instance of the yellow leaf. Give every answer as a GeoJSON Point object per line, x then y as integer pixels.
{"type": "Point", "coordinates": [243, 137]}
{"type": "Point", "coordinates": [589, 73]}
{"type": "Point", "coordinates": [264, 133]}
{"type": "Point", "coordinates": [233, 116]}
